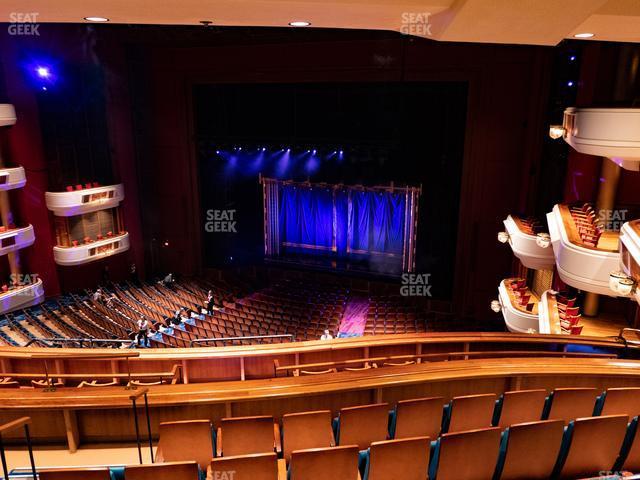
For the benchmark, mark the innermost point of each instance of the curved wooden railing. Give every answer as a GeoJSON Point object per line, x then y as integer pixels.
{"type": "Point", "coordinates": [202, 364]}
{"type": "Point", "coordinates": [101, 414]}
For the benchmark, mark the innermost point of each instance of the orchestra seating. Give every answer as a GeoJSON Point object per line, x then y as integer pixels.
{"type": "Point", "coordinates": [297, 308]}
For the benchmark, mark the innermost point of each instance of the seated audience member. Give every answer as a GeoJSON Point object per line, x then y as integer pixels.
{"type": "Point", "coordinates": [97, 295]}
{"type": "Point", "coordinates": [168, 281]}
{"type": "Point", "coordinates": [133, 274]}
{"type": "Point", "coordinates": [210, 302]}
{"type": "Point", "coordinates": [177, 318]}
{"type": "Point", "coordinates": [143, 329]}
{"type": "Point", "coordinates": [326, 335]}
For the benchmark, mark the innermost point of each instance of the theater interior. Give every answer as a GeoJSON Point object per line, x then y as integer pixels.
{"type": "Point", "coordinates": [346, 240]}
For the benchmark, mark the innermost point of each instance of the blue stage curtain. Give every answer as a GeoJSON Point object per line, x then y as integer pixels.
{"type": "Point", "coordinates": [306, 218]}
{"type": "Point", "coordinates": [377, 222]}
{"type": "Point", "coordinates": [365, 223]}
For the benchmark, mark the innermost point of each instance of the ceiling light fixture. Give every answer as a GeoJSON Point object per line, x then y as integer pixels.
{"type": "Point", "coordinates": [299, 23]}
{"type": "Point", "coordinates": [584, 35]}
{"type": "Point", "coordinates": [96, 19]}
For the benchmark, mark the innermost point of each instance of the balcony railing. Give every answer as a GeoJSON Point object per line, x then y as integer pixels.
{"type": "Point", "coordinates": [15, 239]}
{"type": "Point", "coordinates": [86, 200]}
{"type": "Point", "coordinates": [7, 115]}
{"type": "Point", "coordinates": [90, 252]}
{"type": "Point", "coordinates": [21, 297]}
{"type": "Point", "coordinates": [11, 178]}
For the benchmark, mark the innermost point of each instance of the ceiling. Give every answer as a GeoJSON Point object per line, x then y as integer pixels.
{"type": "Point", "coordinates": [534, 22]}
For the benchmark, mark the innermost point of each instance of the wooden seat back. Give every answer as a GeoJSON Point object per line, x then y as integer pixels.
{"type": "Point", "coordinates": [532, 449]}
{"type": "Point", "coordinates": [622, 401]}
{"type": "Point", "coordinates": [97, 473]}
{"type": "Point", "coordinates": [258, 466]}
{"type": "Point", "coordinates": [336, 463]}
{"type": "Point", "coordinates": [419, 417]}
{"type": "Point", "coordinates": [182, 441]}
{"type": "Point", "coordinates": [162, 471]}
{"type": "Point", "coordinates": [472, 412]}
{"type": "Point", "coordinates": [521, 406]}
{"type": "Point", "coordinates": [595, 444]}
{"type": "Point", "coordinates": [571, 403]}
{"type": "Point", "coordinates": [406, 458]}
{"type": "Point", "coordinates": [246, 435]}
{"type": "Point", "coordinates": [470, 454]}
{"type": "Point", "coordinates": [363, 425]}
{"type": "Point", "coordinates": [301, 431]}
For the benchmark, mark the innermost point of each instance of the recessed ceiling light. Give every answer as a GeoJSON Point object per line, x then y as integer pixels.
{"type": "Point", "coordinates": [96, 19]}
{"type": "Point", "coordinates": [584, 35]}
{"type": "Point", "coordinates": [299, 23]}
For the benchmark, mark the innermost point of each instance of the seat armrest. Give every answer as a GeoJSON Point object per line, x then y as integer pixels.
{"type": "Point", "coordinates": [282, 469]}
{"type": "Point", "coordinates": [276, 438]}
{"type": "Point", "coordinates": [219, 443]}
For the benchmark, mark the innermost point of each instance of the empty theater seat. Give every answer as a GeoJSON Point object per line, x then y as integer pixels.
{"type": "Point", "coordinates": [417, 418]}
{"type": "Point", "coordinates": [570, 403]}
{"type": "Point", "coordinates": [246, 435]}
{"type": "Point", "coordinates": [407, 459]}
{"type": "Point", "coordinates": [529, 450]}
{"type": "Point", "coordinates": [466, 455]}
{"type": "Point", "coordinates": [97, 473]}
{"type": "Point", "coordinates": [336, 463]}
{"type": "Point", "coordinates": [629, 459]}
{"type": "Point", "coordinates": [616, 401]}
{"type": "Point", "coordinates": [301, 431]}
{"type": "Point", "coordinates": [189, 440]}
{"type": "Point", "coordinates": [258, 466]}
{"type": "Point", "coordinates": [470, 412]}
{"type": "Point", "coordinates": [519, 407]}
{"type": "Point", "coordinates": [163, 471]}
{"type": "Point", "coordinates": [363, 425]}
{"type": "Point", "coordinates": [590, 446]}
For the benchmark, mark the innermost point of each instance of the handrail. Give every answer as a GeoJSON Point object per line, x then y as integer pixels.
{"type": "Point", "coordinates": [232, 339]}
{"type": "Point", "coordinates": [22, 422]}
{"type": "Point", "coordinates": [80, 341]}
{"type": "Point", "coordinates": [626, 342]}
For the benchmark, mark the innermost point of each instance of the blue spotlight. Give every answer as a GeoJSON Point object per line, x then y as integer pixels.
{"type": "Point", "coordinates": [43, 72]}
{"type": "Point", "coordinates": [283, 163]}
{"type": "Point", "coordinates": [570, 83]}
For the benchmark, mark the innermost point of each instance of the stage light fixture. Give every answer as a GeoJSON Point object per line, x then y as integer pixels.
{"type": "Point", "coordinates": [556, 131]}
{"type": "Point", "coordinates": [299, 23]}
{"type": "Point", "coordinates": [572, 58]}
{"type": "Point", "coordinates": [503, 237]}
{"type": "Point", "coordinates": [570, 83]}
{"type": "Point", "coordinates": [96, 19]}
{"type": "Point", "coordinates": [585, 35]}
{"type": "Point", "coordinates": [543, 240]}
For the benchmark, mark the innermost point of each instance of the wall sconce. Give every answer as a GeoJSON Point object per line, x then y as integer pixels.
{"type": "Point", "coordinates": [503, 237]}
{"type": "Point", "coordinates": [496, 306]}
{"type": "Point", "coordinates": [556, 131]}
{"type": "Point", "coordinates": [620, 282]}
{"type": "Point", "coordinates": [543, 240]}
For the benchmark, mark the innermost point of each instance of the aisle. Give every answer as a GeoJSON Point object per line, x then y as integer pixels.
{"type": "Point", "coordinates": [354, 317]}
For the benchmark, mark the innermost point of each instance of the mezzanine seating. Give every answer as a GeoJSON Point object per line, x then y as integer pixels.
{"type": "Point", "coordinates": [531, 449]}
